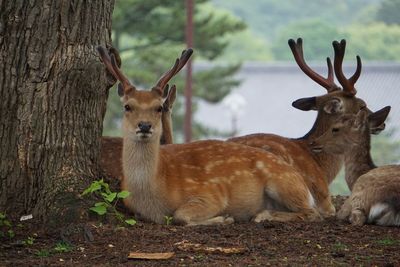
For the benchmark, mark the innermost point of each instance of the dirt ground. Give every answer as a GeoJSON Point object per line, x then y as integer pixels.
{"type": "Point", "coordinates": [250, 244]}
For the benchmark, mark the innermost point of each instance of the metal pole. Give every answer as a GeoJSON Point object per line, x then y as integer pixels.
{"type": "Point", "coordinates": [187, 128]}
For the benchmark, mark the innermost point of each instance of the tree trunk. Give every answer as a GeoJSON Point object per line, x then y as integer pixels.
{"type": "Point", "coordinates": [53, 92]}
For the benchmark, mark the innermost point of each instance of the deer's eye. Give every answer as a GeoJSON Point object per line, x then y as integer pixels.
{"type": "Point", "coordinates": [335, 130]}
{"type": "Point", "coordinates": [159, 109]}
{"type": "Point", "coordinates": [127, 108]}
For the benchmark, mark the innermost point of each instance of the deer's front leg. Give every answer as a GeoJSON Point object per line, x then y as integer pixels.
{"type": "Point", "coordinates": [201, 211]}
{"type": "Point", "coordinates": [344, 212]}
{"type": "Point", "coordinates": [326, 208]}
{"type": "Point", "coordinates": [358, 217]}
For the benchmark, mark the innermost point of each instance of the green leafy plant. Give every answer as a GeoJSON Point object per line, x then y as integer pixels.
{"type": "Point", "coordinates": [387, 242]}
{"type": "Point", "coordinates": [43, 253]}
{"type": "Point", "coordinates": [5, 226]}
{"type": "Point", "coordinates": [168, 219]}
{"type": "Point", "coordinates": [339, 246]}
{"type": "Point", "coordinates": [109, 200]}
{"type": "Point", "coordinates": [29, 241]}
{"type": "Point", "coordinates": [62, 247]}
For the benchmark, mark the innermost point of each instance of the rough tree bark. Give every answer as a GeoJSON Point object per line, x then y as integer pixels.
{"type": "Point", "coordinates": [53, 92]}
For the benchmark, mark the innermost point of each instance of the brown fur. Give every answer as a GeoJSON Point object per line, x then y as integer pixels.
{"type": "Point", "coordinates": [111, 147]}
{"type": "Point", "coordinates": [204, 182]}
{"type": "Point", "coordinates": [110, 156]}
{"type": "Point", "coordinates": [374, 189]}
{"type": "Point", "coordinates": [316, 169]}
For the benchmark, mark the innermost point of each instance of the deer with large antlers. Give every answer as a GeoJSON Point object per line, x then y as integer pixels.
{"type": "Point", "coordinates": [111, 147]}
{"type": "Point", "coordinates": [204, 182]}
{"type": "Point", "coordinates": [316, 170]}
{"type": "Point", "coordinates": [375, 196]}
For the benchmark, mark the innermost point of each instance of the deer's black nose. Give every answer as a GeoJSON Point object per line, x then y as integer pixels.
{"type": "Point", "coordinates": [144, 126]}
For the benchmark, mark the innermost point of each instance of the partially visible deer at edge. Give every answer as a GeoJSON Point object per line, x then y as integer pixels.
{"type": "Point", "coordinates": [375, 196]}
{"type": "Point", "coordinates": [111, 147]}
{"type": "Point", "coordinates": [317, 170]}
{"type": "Point", "coordinates": [204, 182]}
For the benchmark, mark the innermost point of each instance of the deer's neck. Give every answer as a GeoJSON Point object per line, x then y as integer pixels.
{"type": "Point", "coordinates": [322, 123]}
{"type": "Point", "coordinates": [140, 162]}
{"type": "Point", "coordinates": [167, 135]}
{"type": "Point", "coordinates": [358, 161]}
{"type": "Point", "coordinates": [141, 178]}
{"type": "Point", "coordinates": [330, 163]}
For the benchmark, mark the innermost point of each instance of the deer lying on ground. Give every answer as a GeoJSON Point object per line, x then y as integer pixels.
{"type": "Point", "coordinates": [111, 147]}
{"type": "Point", "coordinates": [204, 182]}
{"type": "Point", "coordinates": [375, 196]}
{"type": "Point", "coordinates": [316, 170]}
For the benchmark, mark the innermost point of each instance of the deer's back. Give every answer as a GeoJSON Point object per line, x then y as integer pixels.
{"type": "Point", "coordinates": [111, 156]}
{"type": "Point", "coordinates": [294, 152]}
{"type": "Point", "coordinates": [381, 184]}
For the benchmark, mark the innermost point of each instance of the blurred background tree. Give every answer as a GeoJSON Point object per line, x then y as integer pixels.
{"type": "Point", "coordinates": [389, 12]}
{"type": "Point", "coordinates": [314, 29]}
{"type": "Point", "coordinates": [371, 26]}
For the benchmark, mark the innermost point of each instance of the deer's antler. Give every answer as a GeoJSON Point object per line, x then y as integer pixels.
{"type": "Point", "coordinates": [297, 50]}
{"type": "Point", "coordinates": [111, 64]}
{"type": "Point", "coordinates": [347, 84]}
{"type": "Point", "coordinates": [179, 64]}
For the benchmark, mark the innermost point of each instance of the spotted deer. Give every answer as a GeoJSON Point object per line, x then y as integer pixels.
{"type": "Point", "coordinates": [316, 169]}
{"type": "Point", "coordinates": [375, 196]}
{"type": "Point", "coordinates": [203, 182]}
{"type": "Point", "coordinates": [111, 147]}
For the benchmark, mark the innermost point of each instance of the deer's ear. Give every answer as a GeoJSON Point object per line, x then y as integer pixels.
{"type": "Point", "coordinates": [333, 106]}
{"type": "Point", "coordinates": [377, 119]}
{"type": "Point", "coordinates": [360, 119]}
{"type": "Point", "coordinates": [306, 104]}
{"type": "Point", "coordinates": [172, 96]}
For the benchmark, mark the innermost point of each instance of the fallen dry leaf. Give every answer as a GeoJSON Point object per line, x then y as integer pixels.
{"type": "Point", "coordinates": [150, 256]}
{"type": "Point", "coordinates": [187, 246]}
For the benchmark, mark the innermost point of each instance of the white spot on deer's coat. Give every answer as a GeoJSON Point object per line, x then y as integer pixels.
{"type": "Point", "coordinates": [212, 165]}
{"type": "Point", "coordinates": [190, 180]}
{"type": "Point", "coordinates": [215, 180]}
{"type": "Point", "coordinates": [187, 166]}
{"type": "Point", "coordinates": [260, 165]}
{"type": "Point", "coordinates": [233, 160]}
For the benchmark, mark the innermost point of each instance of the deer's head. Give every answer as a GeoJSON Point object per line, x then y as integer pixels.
{"type": "Point", "coordinates": [350, 130]}
{"type": "Point", "coordinates": [143, 109]}
{"type": "Point", "coordinates": [338, 100]}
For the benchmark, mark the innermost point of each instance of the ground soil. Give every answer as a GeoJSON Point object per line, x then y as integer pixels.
{"type": "Point", "coordinates": [247, 244]}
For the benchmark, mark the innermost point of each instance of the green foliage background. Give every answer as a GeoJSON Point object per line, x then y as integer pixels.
{"type": "Point", "coordinates": [371, 26]}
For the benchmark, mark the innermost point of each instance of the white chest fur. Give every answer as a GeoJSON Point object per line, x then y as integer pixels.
{"type": "Point", "coordinates": [140, 170]}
